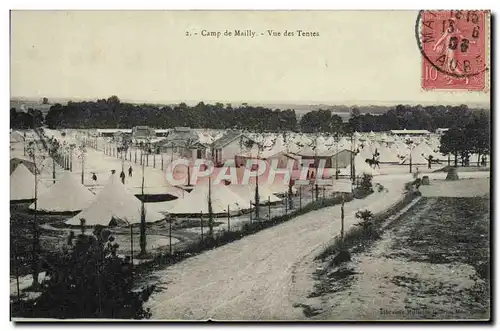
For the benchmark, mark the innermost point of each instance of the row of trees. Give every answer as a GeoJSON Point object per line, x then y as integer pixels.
{"type": "Point", "coordinates": [113, 113]}
{"type": "Point", "coordinates": [395, 118]}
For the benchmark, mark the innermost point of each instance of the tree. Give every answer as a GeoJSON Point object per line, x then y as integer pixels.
{"type": "Point", "coordinates": [477, 133]}
{"type": "Point", "coordinates": [35, 263]}
{"type": "Point", "coordinates": [13, 118]}
{"type": "Point", "coordinates": [367, 223]}
{"type": "Point", "coordinates": [87, 282]}
{"type": "Point", "coordinates": [366, 186]}
{"type": "Point", "coordinates": [210, 210]}
{"type": "Point", "coordinates": [454, 142]}
{"type": "Point", "coordinates": [336, 124]}
{"type": "Point", "coordinates": [354, 123]}
{"type": "Point", "coordinates": [113, 100]}
{"type": "Point", "coordinates": [190, 144]}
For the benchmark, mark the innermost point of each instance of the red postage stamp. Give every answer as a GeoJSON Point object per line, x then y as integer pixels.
{"type": "Point", "coordinates": [454, 47]}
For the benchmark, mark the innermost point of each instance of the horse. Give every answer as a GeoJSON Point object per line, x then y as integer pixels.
{"type": "Point", "coordinates": [373, 163]}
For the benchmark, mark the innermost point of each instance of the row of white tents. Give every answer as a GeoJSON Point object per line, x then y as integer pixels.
{"type": "Point", "coordinates": [116, 202]}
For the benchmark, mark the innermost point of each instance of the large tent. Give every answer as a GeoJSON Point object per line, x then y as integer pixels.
{"type": "Point", "coordinates": [67, 195]}
{"type": "Point", "coordinates": [247, 192]}
{"type": "Point", "coordinates": [196, 202]}
{"type": "Point", "coordinates": [418, 156]}
{"type": "Point", "coordinates": [361, 167]}
{"type": "Point", "coordinates": [22, 184]}
{"type": "Point", "coordinates": [50, 169]}
{"type": "Point", "coordinates": [114, 202]}
{"type": "Point", "coordinates": [16, 137]}
{"type": "Point", "coordinates": [387, 155]}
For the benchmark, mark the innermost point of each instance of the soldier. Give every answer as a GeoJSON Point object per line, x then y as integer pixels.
{"type": "Point", "coordinates": [122, 176]}
{"type": "Point", "coordinates": [429, 161]}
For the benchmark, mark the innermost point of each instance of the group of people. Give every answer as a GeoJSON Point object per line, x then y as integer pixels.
{"type": "Point", "coordinates": [122, 175]}
{"type": "Point", "coordinates": [100, 236]}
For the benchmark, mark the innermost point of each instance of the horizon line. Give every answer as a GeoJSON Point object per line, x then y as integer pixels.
{"type": "Point", "coordinates": [346, 103]}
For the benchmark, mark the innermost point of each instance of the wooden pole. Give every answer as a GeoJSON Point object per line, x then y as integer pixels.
{"type": "Point", "coordinates": [410, 160]}
{"type": "Point", "coordinates": [53, 169]}
{"type": "Point", "coordinates": [172, 153]}
{"type": "Point", "coordinates": [143, 217]}
{"type": "Point", "coordinates": [300, 197]}
{"type": "Point", "coordinates": [170, 235]}
{"type": "Point", "coordinates": [251, 212]}
{"type": "Point", "coordinates": [35, 230]}
{"type": "Point", "coordinates": [83, 162]}
{"type": "Point", "coordinates": [131, 245]}
{"type": "Point", "coordinates": [342, 223]}
{"type": "Point", "coordinates": [269, 205]}
{"type": "Point", "coordinates": [201, 225]}
{"type": "Point", "coordinates": [286, 204]}
{"type": "Point", "coordinates": [17, 274]}
{"type": "Point", "coordinates": [228, 219]}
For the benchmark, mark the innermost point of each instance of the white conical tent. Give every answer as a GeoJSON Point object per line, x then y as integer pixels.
{"type": "Point", "coordinates": [247, 193]}
{"type": "Point", "coordinates": [375, 146]}
{"type": "Point", "coordinates": [114, 202]}
{"type": "Point", "coordinates": [47, 171]}
{"type": "Point", "coordinates": [16, 137]}
{"type": "Point", "coordinates": [67, 195]}
{"type": "Point", "coordinates": [22, 184]}
{"type": "Point", "coordinates": [418, 156]}
{"type": "Point", "coordinates": [361, 167]}
{"type": "Point", "coordinates": [386, 155]}
{"type": "Point", "coordinates": [427, 150]}
{"type": "Point", "coordinates": [279, 146]}
{"type": "Point", "coordinates": [49, 164]}
{"type": "Point", "coordinates": [365, 153]}
{"type": "Point", "coordinates": [196, 202]}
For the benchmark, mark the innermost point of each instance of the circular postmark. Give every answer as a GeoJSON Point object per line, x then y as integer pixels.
{"type": "Point", "coordinates": [453, 41]}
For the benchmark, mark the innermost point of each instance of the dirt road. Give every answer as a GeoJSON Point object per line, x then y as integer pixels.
{"type": "Point", "coordinates": [255, 278]}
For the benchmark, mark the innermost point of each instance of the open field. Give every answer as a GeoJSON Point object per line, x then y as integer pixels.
{"type": "Point", "coordinates": [433, 262]}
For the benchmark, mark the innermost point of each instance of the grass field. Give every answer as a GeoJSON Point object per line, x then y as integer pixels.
{"type": "Point", "coordinates": [431, 263]}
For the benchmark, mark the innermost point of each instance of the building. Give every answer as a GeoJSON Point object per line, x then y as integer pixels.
{"type": "Point", "coordinates": [162, 132]}
{"type": "Point", "coordinates": [231, 145]}
{"type": "Point", "coordinates": [185, 142]}
{"type": "Point", "coordinates": [282, 158]}
{"type": "Point", "coordinates": [112, 132]}
{"type": "Point", "coordinates": [410, 132]}
{"type": "Point", "coordinates": [342, 159]}
{"type": "Point", "coordinates": [441, 130]}
{"type": "Point", "coordinates": [143, 133]}
{"type": "Point", "coordinates": [332, 159]}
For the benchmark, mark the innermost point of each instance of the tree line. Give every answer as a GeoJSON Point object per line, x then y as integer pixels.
{"type": "Point", "coordinates": [395, 118]}
{"type": "Point", "coordinates": [112, 113]}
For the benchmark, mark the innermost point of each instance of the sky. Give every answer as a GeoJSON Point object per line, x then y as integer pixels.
{"type": "Point", "coordinates": [359, 57]}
